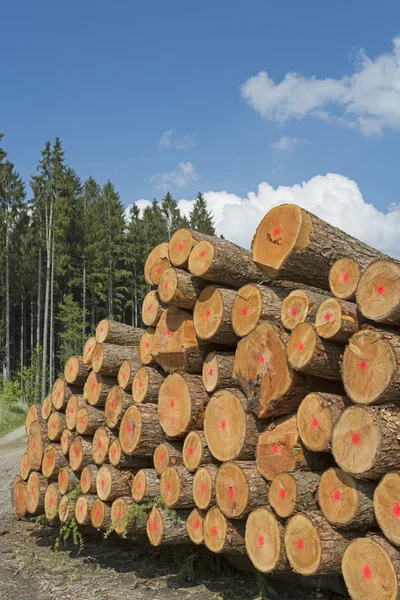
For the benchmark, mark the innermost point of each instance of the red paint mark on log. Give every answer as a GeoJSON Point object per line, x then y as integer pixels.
{"type": "Point", "coordinates": [98, 357]}
{"type": "Point", "coordinates": [138, 485]}
{"type": "Point", "coordinates": [328, 317]}
{"type": "Point", "coordinates": [380, 290]}
{"type": "Point", "coordinates": [203, 487]}
{"type": "Point", "coordinates": [168, 486]}
{"type": "Point", "coordinates": [244, 311]}
{"type": "Point", "coordinates": [101, 330]}
{"type": "Point", "coordinates": [46, 409]}
{"type": "Point", "coordinates": [162, 457]}
{"type": "Point", "coordinates": [99, 444]}
{"type": "Point", "coordinates": [180, 246]}
{"type": "Point", "coordinates": [123, 375]}
{"type": "Point", "coordinates": [71, 410]}
{"type": "Point", "coordinates": [214, 531]}
{"type": "Point", "coordinates": [300, 347]}
{"type": "Point", "coordinates": [70, 368]}
{"type": "Point", "coordinates": [58, 394]}
{"type": "Point", "coordinates": [231, 492]}
{"type": "Point", "coordinates": [346, 277]}
{"type": "Point", "coordinates": [336, 494]}
{"type": "Point", "coordinates": [168, 332]}
{"type": "Point", "coordinates": [208, 313]}
{"type": "Point", "coordinates": [196, 524]}
{"type": "Point", "coordinates": [147, 344]}
{"type": "Point", "coordinates": [81, 508]}
{"type": "Point", "coordinates": [261, 541]}
{"type": "Point", "coordinates": [49, 460]}
{"type": "Point", "coordinates": [355, 438]}
{"type": "Point", "coordinates": [172, 404]}
{"type": "Point", "coordinates": [51, 501]}
{"type": "Point", "coordinates": [62, 478]}
{"type": "Point", "coordinates": [277, 231]}
{"type": "Point", "coordinates": [314, 422]}
{"type": "Point", "coordinates": [396, 510]}
{"type": "Point", "coordinates": [223, 424]}
{"type": "Point", "coordinates": [363, 365]}
{"type": "Point", "coordinates": [166, 285]}
{"type": "Point", "coordinates": [97, 514]}
{"type": "Point", "coordinates": [102, 483]}
{"type": "Point", "coordinates": [114, 451]}
{"type": "Point", "coordinates": [76, 451]}
{"type": "Point", "coordinates": [85, 479]}
{"type": "Point", "coordinates": [282, 493]}
{"type": "Point", "coordinates": [53, 424]}
{"type": "Point", "coordinates": [149, 308]}
{"type": "Point", "coordinates": [367, 572]}
{"type": "Point", "coordinates": [158, 270]}
{"type": "Point", "coordinates": [119, 515]}
{"type": "Point", "coordinates": [262, 360]}
{"type": "Point", "coordinates": [94, 386]}
{"type": "Point", "coordinates": [202, 254]}
{"type": "Point", "coordinates": [294, 312]}
{"type": "Point", "coordinates": [112, 404]}
{"type": "Point", "coordinates": [129, 428]}
{"type": "Point", "coordinates": [190, 451]}
{"type": "Point", "coordinates": [140, 384]}
{"type": "Point", "coordinates": [300, 544]}
{"type": "Point", "coordinates": [210, 372]}
{"type": "Point", "coordinates": [275, 449]}
{"type": "Point", "coordinates": [154, 525]}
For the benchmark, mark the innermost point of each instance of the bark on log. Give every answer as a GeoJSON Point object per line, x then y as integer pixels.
{"type": "Point", "coordinates": [47, 407]}
{"type": "Point", "coordinates": [222, 536]}
{"type": "Point", "coordinates": [378, 292]}
{"type": "Point", "coordinates": [223, 262]}
{"type": "Point", "coordinates": [102, 441]}
{"type": "Point", "coordinates": [107, 358]}
{"type": "Point", "coordinates": [163, 528]}
{"type": "Point", "coordinates": [75, 403]}
{"type": "Point", "coordinates": [312, 545]}
{"type": "Point", "coordinates": [97, 388]}
{"type": "Point", "coordinates": [204, 486]}
{"type": "Point", "coordinates": [293, 492]}
{"type": "Point", "coordinates": [31, 417]}
{"type": "Point", "coordinates": [52, 500]}
{"type": "Point", "coordinates": [80, 452]}
{"type": "Point", "coordinates": [181, 404]}
{"type": "Point", "coordinates": [293, 244]}
{"type": "Point", "coordinates": [387, 506]}
{"type": "Point", "coordinates": [160, 251]}
{"type": "Point", "coordinates": [19, 493]}
{"type": "Point", "coordinates": [112, 483]}
{"type": "Point", "coordinates": [67, 480]}
{"type": "Point", "coordinates": [62, 392]}
{"type": "Point", "coordinates": [152, 309]}
{"type": "Point", "coordinates": [254, 303]}
{"type": "Point", "coordinates": [176, 486]}
{"type": "Point", "coordinates": [145, 486]}
{"type": "Point", "coordinates": [118, 459]}
{"type": "Point", "coordinates": [301, 306]}
{"type": "Point", "coordinates": [66, 509]}
{"type": "Point", "coordinates": [88, 479]}
{"type": "Point", "coordinates": [146, 385]}
{"type": "Point", "coordinates": [35, 492]}
{"type": "Point", "coordinates": [344, 277]}
{"type": "Point", "coordinates": [53, 461]}
{"type": "Point", "coordinates": [195, 451]}
{"type": "Point", "coordinates": [56, 425]}
{"type": "Point", "coordinates": [88, 350]}
{"type": "Point", "coordinates": [126, 522]}
{"type": "Point", "coordinates": [89, 420]}
{"type": "Point", "coordinates": [366, 440]}
{"type": "Point", "coordinates": [346, 502]}
{"type": "Point", "coordinates": [75, 371]}
{"type": "Point", "coordinates": [66, 440]}
{"type": "Point", "coordinates": [239, 489]}
{"type": "Point", "coordinates": [146, 346]}
{"type": "Point", "coordinates": [371, 569]}
{"type": "Point", "coordinates": [24, 469]}
{"type": "Point", "coordinates": [100, 515]}
{"type": "Point", "coordinates": [337, 320]}
{"type": "Point", "coordinates": [194, 526]}
{"type": "Point", "coordinates": [83, 508]}
{"type": "Point", "coordinates": [158, 269]}
{"type": "Point", "coordinates": [181, 244]}
{"type": "Point", "coordinates": [218, 371]}
{"type": "Point", "coordinates": [127, 372]}
{"type": "Point", "coordinates": [117, 403]}
{"type": "Point", "coordinates": [212, 316]}
{"type": "Point", "coordinates": [180, 288]}
{"type": "Point", "coordinates": [37, 441]}
{"type": "Point", "coordinates": [120, 334]}
{"type": "Point", "coordinates": [140, 431]}
{"type": "Point", "coordinates": [310, 354]}
{"type": "Point", "coordinates": [279, 449]}
{"type": "Point", "coordinates": [317, 416]}
{"type": "Point", "coordinates": [264, 542]}
{"type": "Point", "coordinates": [167, 454]}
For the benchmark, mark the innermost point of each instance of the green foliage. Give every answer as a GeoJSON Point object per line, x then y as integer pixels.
{"type": "Point", "coordinates": [70, 529]}
{"type": "Point", "coordinates": [10, 392]}
{"type": "Point", "coordinates": [200, 217]}
{"type": "Point", "coordinates": [70, 337]}
{"type": "Point", "coordinates": [11, 417]}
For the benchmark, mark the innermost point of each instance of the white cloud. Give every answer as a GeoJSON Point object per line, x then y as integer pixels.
{"type": "Point", "coordinates": [332, 197]}
{"type": "Point", "coordinates": [169, 140]}
{"type": "Point", "coordinates": [287, 143]}
{"type": "Point", "coordinates": [369, 98]}
{"type": "Point", "coordinates": [184, 174]}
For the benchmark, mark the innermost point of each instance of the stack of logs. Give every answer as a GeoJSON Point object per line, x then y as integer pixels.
{"type": "Point", "coordinates": [257, 414]}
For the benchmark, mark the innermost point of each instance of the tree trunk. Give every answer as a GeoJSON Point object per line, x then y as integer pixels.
{"type": "Point", "coordinates": [212, 316]}
{"type": "Point", "coordinates": [35, 493]}
{"type": "Point", "coordinates": [49, 237]}
{"type": "Point", "coordinates": [152, 309]}
{"type": "Point", "coordinates": [279, 449]}
{"type": "Point", "coordinates": [146, 385]}
{"type": "Point", "coordinates": [88, 351]}
{"type": "Point", "coordinates": [25, 469]}
{"type": "Point", "coordinates": [195, 451]}
{"type": "Point", "coordinates": [167, 454]}
{"type": "Point", "coordinates": [387, 506]}
{"type": "Point", "coordinates": [344, 277]}
{"type": "Point", "coordinates": [218, 371]}
{"type": "Point", "coordinates": [102, 440]}
{"type": "Point", "coordinates": [293, 244]}
{"type": "Point", "coordinates": [89, 419]}
{"type": "Point", "coordinates": [181, 404]}
{"type": "Point", "coordinates": [80, 452]}
{"type": "Point", "coordinates": [53, 461]}
{"type": "Point", "coordinates": [145, 486]}
{"type": "Point", "coordinates": [254, 303]}
{"type": "Point", "coordinates": [75, 371]}
{"type": "Point", "coordinates": [38, 323]}
{"type": "Point", "coordinates": [37, 441]}
{"type": "Point", "coordinates": [119, 334]}
{"type": "Point", "coordinates": [8, 356]}
{"type": "Point", "coordinates": [337, 320]}
{"type": "Point", "coordinates": [194, 526]}
{"type": "Point", "coordinates": [293, 492]}
{"type": "Point", "coordinates": [88, 479]}
{"type": "Point", "coordinates": [239, 489]}
{"type": "Point", "coordinates": [365, 440]}
{"type": "Point", "coordinates": [176, 486]}
{"type": "Point", "coordinates": [204, 486]}
{"type": "Point", "coordinates": [160, 251]}
{"type": "Point", "coordinates": [83, 509]}
{"type": "Point", "coordinates": [19, 494]}
{"type": "Point", "coordinates": [310, 354]}
{"type": "Point", "coordinates": [264, 542]}
{"type": "Point", "coordinates": [167, 527]}
{"type": "Point", "coordinates": [75, 403]}
{"type": "Point", "coordinates": [112, 483]}
{"type": "Point", "coordinates": [62, 393]}
{"type": "Point", "coordinates": [222, 536]}
{"type": "Point", "coordinates": [126, 373]}
{"type": "Point", "coordinates": [56, 425]}
{"type": "Point", "coordinates": [118, 401]}
{"type": "Point", "coordinates": [67, 437]}
{"type": "Point", "coordinates": [100, 515]}
{"type": "Point", "coordinates": [51, 343]}
{"type": "Point", "coordinates": [108, 358]}
{"type": "Point", "coordinates": [182, 243]}
{"type": "Point", "coordinates": [98, 387]}
{"type": "Point", "coordinates": [316, 417]}
{"type": "Point", "coordinates": [378, 292]}
{"type": "Point", "coordinates": [84, 296]}
{"type": "Point", "coordinates": [160, 265]}
{"type": "Point", "coordinates": [140, 431]}
{"type": "Point", "coordinates": [47, 407]}
{"type": "Point", "coordinates": [129, 524]}
{"type": "Point", "coordinates": [52, 501]}
{"type": "Point", "coordinates": [180, 288]}
{"type": "Point", "coordinates": [67, 480]}
{"type": "Point", "coordinates": [118, 459]}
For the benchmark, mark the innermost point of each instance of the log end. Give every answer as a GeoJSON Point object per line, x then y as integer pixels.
{"type": "Point", "coordinates": [201, 258]}
{"type": "Point", "coordinates": [51, 501]}
{"type": "Point", "coordinates": [338, 497]}
{"type": "Point", "coordinates": [140, 385]}
{"type": "Point", "coordinates": [328, 320]}
{"type": "Point", "coordinates": [246, 310]}
{"type": "Point", "coordinates": [170, 487]}
{"type": "Point", "coordinates": [215, 530]}
{"type": "Point", "coordinates": [387, 506]}
{"type": "Point", "coordinates": [208, 312]}
{"type": "Point", "coordinates": [180, 247]}
{"type": "Point", "coordinates": [344, 276]}
{"type": "Point", "coordinates": [192, 451]}
{"type": "Point", "coordinates": [150, 308]}
{"type": "Point", "coordinates": [282, 495]}
{"type": "Point", "coordinates": [203, 488]}
{"type": "Point", "coordinates": [194, 526]}
{"type": "Point", "coordinates": [231, 490]}
{"type": "Point", "coordinates": [225, 425]}
{"type": "Point", "coordinates": [295, 309]}
{"type": "Point", "coordinates": [160, 251]}
{"type": "Point", "coordinates": [303, 545]}
{"type": "Point", "coordinates": [88, 350]}
{"type": "Point", "coordinates": [263, 540]}
{"type": "Point", "coordinates": [98, 357]}
{"type": "Point", "coordinates": [378, 292]}
{"type": "Point", "coordinates": [315, 422]}
{"type": "Point", "coordinates": [155, 527]}
{"type": "Point", "coordinates": [174, 406]}
{"type": "Point", "coordinates": [301, 346]}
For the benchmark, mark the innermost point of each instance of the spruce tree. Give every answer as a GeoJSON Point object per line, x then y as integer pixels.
{"type": "Point", "coordinates": [171, 214]}
{"type": "Point", "coordinates": [200, 217]}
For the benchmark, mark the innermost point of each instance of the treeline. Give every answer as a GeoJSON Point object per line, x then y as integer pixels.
{"type": "Point", "coordinates": [68, 258]}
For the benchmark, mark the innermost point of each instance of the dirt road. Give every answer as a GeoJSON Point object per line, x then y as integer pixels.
{"type": "Point", "coordinates": [112, 569]}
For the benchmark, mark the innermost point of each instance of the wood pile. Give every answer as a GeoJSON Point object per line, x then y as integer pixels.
{"type": "Point", "coordinates": [258, 413]}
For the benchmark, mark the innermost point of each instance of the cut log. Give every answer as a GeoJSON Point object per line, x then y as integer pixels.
{"type": "Point", "coordinates": [24, 467]}
{"type": "Point", "coordinates": [118, 459]}
{"type": "Point", "coordinates": [55, 426]}
{"type": "Point", "coordinates": [344, 277]}
{"type": "Point", "coordinates": [264, 542]}
{"type": "Point", "coordinates": [128, 523]}
{"type": "Point", "coordinates": [88, 350]}
{"type": "Point", "coordinates": [239, 489]}
{"type": "Point", "coordinates": [312, 545]}
{"type": "Point", "coordinates": [194, 526]}
{"type": "Point", "coordinates": [66, 509]}
{"type": "Point", "coordinates": [293, 244]}
{"type": "Point", "coordinates": [146, 384]}
{"type": "Point", "coordinates": [140, 431]}
{"type": "Point", "coordinates": [175, 345]}
{"type": "Point", "coordinates": [100, 515]}
{"type": "Point", "coordinates": [37, 441]}
{"type": "Point", "coordinates": [120, 334]}
{"type": "Point", "coordinates": [365, 440]}
{"type": "Point", "coordinates": [167, 527]}
{"type": "Point", "coordinates": [160, 265]}
{"type": "Point", "coordinates": [53, 461]}
{"type": "Point", "coordinates": [62, 392]}
{"type": "Point", "coordinates": [83, 508]}
{"type": "Point", "coordinates": [47, 407]}
{"type": "Point", "coordinates": [212, 316]}
{"type": "Point", "coordinates": [97, 388]}
{"type": "Point", "coordinates": [231, 432]}
{"type": "Point", "coordinates": [66, 440]}
{"type": "Point", "coordinates": [222, 536]}
{"type": "Point", "coordinates": [146, 346]}
{"type": "Point", "coordinates": [160, 251]}
{"type": "Point", "coordinates": [126, 373]}
{"type": "Point", "coordinates": [293, 492]}
{"type": "Point", "coordinates": [181, 404]}
{"type": "Point", "coordinates": [67, 480]}
{"type": "Point", "coordinates": [152, 309]}
{"type": "Point", "coordinates": [223, 262]}
{"type": "Point", "coordinates": [52, 500]}
{"type": "Point", "coordinates": [31, 417]}
{"type": "Point", "coordinates": [371, 367]}
{"type": "Point", "coordinates": [387, 506]}
{"type": "Point", "coordinates": [102, 441]}
{"type": "Point", "coordinates": [112, 483]}
{"type": "Point", "coordinates": [176, 486]}
{"type": "Point", "coordinates": [204, 486]}
{"type": "Point", "coordinates": [89, 419]}
{"type": "Point", "coordinates": [316, 418]}
{"type": "Point", "coordinates": [195, 451]}
{"type": "Point", "coordinates": [167, 454]}
{"type": "Point", "coordinates": [346, 502]}
{"type": "Point", "coordinates": [182, 243]}
{"type": "Point", "coordinates": [218, 371]}
{"type": "Point", "coordinates": [279, 449]}
{"type": "Point", "coordinates": [254, 303]}
{"type": "Point", "coordinates": [75, 403]}
{"type": "Point", "coordinates": [88, 479]}
{"type": "Point", "coordinates": [19, 493]}
{"type": "Point", "coordinates": [75, 371]}
{"type": "Point", "coordinates": [180, 288]}
{"type": "Point", "coordinates": [337, 320]}
{"type": "Point", "coordinates": [371, 569]}
{"type": "Point", "coordinates": [35, 492]}
{"type": "Point", "coordinates": [80, 452]}
{"type": "Point", "coordinates": [107, 358]}
{"type": "Point", "coordinates": [301, 306]}
{"type": "Point", "coordinates": [378, 293]}
{"type": "Point", "coordinates": [145, 486]}
{"type": "Point", "coordinates": [309, 353]}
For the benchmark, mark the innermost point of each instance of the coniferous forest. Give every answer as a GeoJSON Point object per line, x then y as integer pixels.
{"type": "Point", "coordinates": [68, 258]}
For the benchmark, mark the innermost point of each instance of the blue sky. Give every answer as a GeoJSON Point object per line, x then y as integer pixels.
{"type": "Point", "coordinates": [110, 78]}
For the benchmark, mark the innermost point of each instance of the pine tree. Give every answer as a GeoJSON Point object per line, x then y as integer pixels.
{"type": "Point", "coordinates": [171, 214]}
{"type": "Point", "coordinates": [200, 217]}
{"type": "Point", "coordinates": [135, 258]}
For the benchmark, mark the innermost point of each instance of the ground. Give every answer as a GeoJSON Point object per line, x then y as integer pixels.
{"type": "Point", "coordinates": [114, 569]}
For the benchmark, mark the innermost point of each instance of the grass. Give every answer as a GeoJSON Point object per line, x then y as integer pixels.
{"type": "Point", "coordinates": [11, 418]}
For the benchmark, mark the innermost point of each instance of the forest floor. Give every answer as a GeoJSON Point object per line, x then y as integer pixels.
{"type": "Point", "coordinates": [115, 569]}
